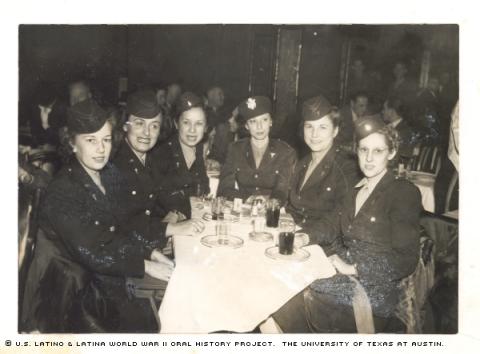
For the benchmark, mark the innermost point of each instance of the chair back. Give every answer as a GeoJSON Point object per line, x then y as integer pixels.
{"type": "Point", "coordinates": [427, 159]}
{"type": "Point", "coordinates": [28, 224]}
{"type": "Point", "coordinates": [415, 288]}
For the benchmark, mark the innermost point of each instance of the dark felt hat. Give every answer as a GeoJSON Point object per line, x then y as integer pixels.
{"type": "Point", "coordinates": [86, 117]}
{"type": "Point", "coordinates": [315, 108]}
{"type": "Point", "coordinates": [368, 125]}
{"type": "Point", "coordinates": [143, 104]}
{"type": "Point", "coordinates": [254, 107]}
{"type": "Point", "coordinates": [188, 100]}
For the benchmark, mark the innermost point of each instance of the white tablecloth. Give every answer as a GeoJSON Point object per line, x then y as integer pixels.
{"type": "Point", "coordinates": [214, 289]}
{"type": "Point", "coordinates": [428, 196]}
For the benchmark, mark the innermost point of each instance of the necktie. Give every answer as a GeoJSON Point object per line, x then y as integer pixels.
{"type": "Point", "coordinates": [362, 196]}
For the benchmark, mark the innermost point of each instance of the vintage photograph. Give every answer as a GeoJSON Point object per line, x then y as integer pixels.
{"type": "Point", "coordinates": [238, 178]}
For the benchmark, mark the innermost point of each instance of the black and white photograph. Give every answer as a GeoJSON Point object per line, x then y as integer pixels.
{"type": "Point", "coordinates": [238, 178]}
{"type": "Point", "coordinates": [261, 182]}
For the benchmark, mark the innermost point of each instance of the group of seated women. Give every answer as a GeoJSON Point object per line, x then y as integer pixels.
{"type": "Point", "coordinates": [109, 217]}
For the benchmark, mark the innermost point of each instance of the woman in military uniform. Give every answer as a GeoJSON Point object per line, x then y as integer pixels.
{"type": "Point", "coordinates": [84, 225]}
{"type": "Point", "coordinates": [379, 223]}
{"type": "Point", "coordinates": [180, 167]}
{"type": "Point", "coordinates": [135, 162]}
{"type": "Point", "coordinates": [257, 165]}
{"type": "Point", "coordinates": [323, 177]}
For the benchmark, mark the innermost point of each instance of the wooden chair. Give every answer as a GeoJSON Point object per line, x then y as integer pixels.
{"type": "Point", "coordinates": [28, 242]}
{"type": "Point", "coordinates": [427, 159]}
{"type": "Point", "coordinates": [415, 289]}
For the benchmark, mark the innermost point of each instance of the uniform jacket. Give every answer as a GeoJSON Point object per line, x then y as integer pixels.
{"type": "Point", "coordinates": [271, 178]}
{"type": "Point", "coordinates": [382, 240]}
{"type": "Point", "coordinates": [91, 229]}
{"type": "Point", "coordinates": [176, 182]}
{"type": "Point", "coordinates": [144, 211]}
{"type": "Point", "coordinates": [222, 139]}
{"type": "Point", "coordinates": [315, 206]}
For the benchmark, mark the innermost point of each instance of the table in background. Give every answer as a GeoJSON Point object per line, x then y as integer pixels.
{"type": "Point", "coordinates": [425, 182]}
{"type": "Point", "coordinates": [223, 289]}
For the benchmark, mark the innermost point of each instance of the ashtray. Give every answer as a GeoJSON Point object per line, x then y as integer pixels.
{"type": "Point", "coordinates": [227, 241]}
{"type": "Point", "coordinates": [260, 236]}
{"type": "Point", "coordinates": [298, 255]}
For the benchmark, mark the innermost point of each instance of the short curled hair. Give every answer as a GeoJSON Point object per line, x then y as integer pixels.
{"type": "Point", "coordinates": [67, 136]}
{"type": "Point", "coordinates": [391, 137]}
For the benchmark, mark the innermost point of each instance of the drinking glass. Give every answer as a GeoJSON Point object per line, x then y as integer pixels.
{"type": "Point", "coordinates": [273, 212]}
{"type": "Point", "coordinates": [286, 236]}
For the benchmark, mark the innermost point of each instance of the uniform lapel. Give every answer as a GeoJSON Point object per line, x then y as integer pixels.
{"type": "Point", "coordinates": [377, 192]}
{"type": "Point", "coordinates": [268, 156]}
{"type": "Point", "coordinates": [81, 177]}
{"type": "Point", "coordinates": [321, 170]}
{"type": "Point", "coordinates": [249, 154]}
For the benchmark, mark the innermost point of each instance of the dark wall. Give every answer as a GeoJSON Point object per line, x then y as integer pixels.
{"type": "Point", "coordinates": [196, 56]}
{"type": "Point", "coordinates": [57, 54]}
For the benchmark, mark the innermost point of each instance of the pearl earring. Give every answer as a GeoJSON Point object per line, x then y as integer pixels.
{"type": "Point", "coordinates": [74, 149]}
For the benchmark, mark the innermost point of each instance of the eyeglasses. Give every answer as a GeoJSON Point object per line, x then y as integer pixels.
{"type": "Point", "coordinates": [375, 152]}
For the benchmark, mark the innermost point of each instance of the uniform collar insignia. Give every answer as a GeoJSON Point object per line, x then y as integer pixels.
{"type": "Point", "coordinates": [251, 103]}
{"type": "Point", "coordinates": [272, 155]}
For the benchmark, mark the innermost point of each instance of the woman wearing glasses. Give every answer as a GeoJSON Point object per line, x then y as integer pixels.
{"type": "Point", "coordinates": [379, 243]}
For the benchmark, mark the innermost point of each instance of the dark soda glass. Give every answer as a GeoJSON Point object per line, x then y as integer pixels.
{"type": "Point", "coordinates": [273, 215]}
{"type": "Point", "coordinates": [285, 242]}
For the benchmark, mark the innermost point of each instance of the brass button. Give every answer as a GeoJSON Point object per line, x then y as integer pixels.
{"type": "Point", "coordinates": [134, 192]}
{"type": "Point", "coordinates": [150, 196]}
{"type": "Point", "coordinates": [97, 222]}
{"type": "Point", "coordinates": [255, 175]}
{"type": "Point", "coordinates": [373, 219]}
{"type": "Point", "coordinates": [112, 228]}
{"type": "Point", "coordinates": [147, 212]}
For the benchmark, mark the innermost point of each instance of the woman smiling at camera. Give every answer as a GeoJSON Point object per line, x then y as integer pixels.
{"type": "Point", "coordinates": [257, 165]}
{"type": "Point", "coordinates": [379, 245]}
{"type": "Point", "coordinates": [86, 235]}
{"type": "Point", "coordinates": [179, 160]}
{"type": "Point", "coordinates": [323, 177]}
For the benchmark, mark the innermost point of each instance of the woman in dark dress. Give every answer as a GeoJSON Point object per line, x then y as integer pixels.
{"type": "Point", "coordinates": [85, 236]}
{"type": "Point", "coordinates": [180, 166]}
{"type": "Point", "coordinates": [379, 223]}
{"type": "Point", "coordinates": [257, 165]}
{"type": "Point", "coordinates": [321, 179]}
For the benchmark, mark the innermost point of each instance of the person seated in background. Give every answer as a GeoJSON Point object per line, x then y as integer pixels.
{"type": "Point", "coordinates": [78, 91]}
{"type": "Point", "coordinates": [378, 245]}
{"type": "Point", "coordinates": [179, 164]}
{"type": "Point", "coordinates": [403, 87]}
{"type": "Point", "coordinates": [87, 248]}
{"type": "Point", "coordinates": [321, 179]}
{"type": "Point", "coordinates": [356, 108]}
{"type": "Point", "coordinates": [168, 127]}
{"type": "Point", "coordinates": [47, 117]}
{"type": "Point", "coordinates": [225, 133]}
{"type": "Point", "coordinates": [174, 91]}
{"type": "Point", "coordinates": [135, 162]}
{"type": "Point", "coordinates": [393, 113]}
{"type": "Point", "coordinates": [214, 108]}
{"type": "Point", "coordinates": [257, 165]}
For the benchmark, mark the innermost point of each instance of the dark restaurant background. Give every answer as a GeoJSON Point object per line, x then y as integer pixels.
{"type": "Point", "coordinates": [286, 62]}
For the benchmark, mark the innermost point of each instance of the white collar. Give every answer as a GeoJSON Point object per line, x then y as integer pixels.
{"type": "Point", "coordinates": [372, 182]}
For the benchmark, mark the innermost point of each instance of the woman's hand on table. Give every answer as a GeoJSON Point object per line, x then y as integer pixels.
{"type": "Point", "coordinates": [341, 266]}
{"type": "Point", "coordinates": [188, 227]}
{"type": "Point", "coordinates": [158, 270]}
{"type": "Point", "coordinates": [301, 240]}
{"type": "Point", "coordinates": [174, 217]}
{"type": "Point", "coordinates": [158, 257]}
